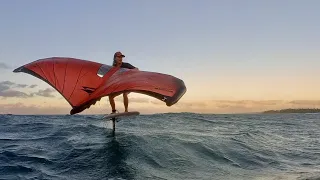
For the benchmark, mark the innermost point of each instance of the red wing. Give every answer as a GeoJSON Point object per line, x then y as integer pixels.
{"type": "Point", "coordinates": [72, 78]}
{"type": "Point", "coordinates": [83, 82]}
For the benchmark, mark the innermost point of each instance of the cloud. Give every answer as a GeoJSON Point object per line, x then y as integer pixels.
{"type": "Point", "coordinates": [306, 102]}
{"type": "Point", "coordinates": [12, 84]}
{"type": "Point", "coordinates": [4, 87]}
{"type": "Point", "coordinates": [181, 104]}
{"type": "Point", "coordinates": [33, 86]}
{"type": "Point", "coordinates": [13, 93]}
{"type": "Point", "coordinates": [245, 103]}
{"type": "Point", "coordinates": [7, 83]}
{"type": "Point", "coordinates": [45, 93]}
{"type": "Point", "coordinates": [21, 85]}
{"type": "Point", "coordinates": [265, 103]}
{"type": "Point", "coordinates": [4, 66]}
{"type": "Point", "coordinates": [6, 90]}
{"type": "Point", "coordinates": [247, 106]}
{"type": "Point", "coordinates": [224, 106]}
{"type": "Point", "coordinates": [191, 104]}
{"type": "Point", "coordinates": [20, 108]}
{"type": "Point", "coordinates": [156, 102]}
{"type": "Point", "coordinates": [235, 106]}
{"type": "Point", "coordinates": [46, 108]}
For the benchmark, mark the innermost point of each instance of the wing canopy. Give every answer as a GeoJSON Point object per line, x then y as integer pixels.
{"type": "Point", "coordinates": [83, 82]}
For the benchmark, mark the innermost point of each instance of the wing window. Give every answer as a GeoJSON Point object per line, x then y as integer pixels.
{"type": "Point", "coordinates": [103, 70]}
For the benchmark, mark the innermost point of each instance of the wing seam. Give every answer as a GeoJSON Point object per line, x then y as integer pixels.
{"type": "Point", "coordinates": [54, 73]}
{"type": "Point", "coordinates": [76, 82]}
{"type": "Point", "coordinates": [42, 72]}
{"type": "Point", "coordinates": [65, 75]}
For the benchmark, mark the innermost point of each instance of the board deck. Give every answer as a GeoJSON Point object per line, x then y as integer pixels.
{"type": "Point", "coordinates": [117, 115]}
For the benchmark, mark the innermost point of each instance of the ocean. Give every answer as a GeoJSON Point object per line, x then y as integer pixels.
{"type": "Point", "coordinates": [161, 146]}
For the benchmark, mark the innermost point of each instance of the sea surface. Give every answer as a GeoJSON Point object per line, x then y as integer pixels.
{"type": "Point", "coordinates": [161, 146]}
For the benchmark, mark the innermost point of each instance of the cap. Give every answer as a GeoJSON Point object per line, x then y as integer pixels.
{"type": "Point", "coordinates": [118, 54]}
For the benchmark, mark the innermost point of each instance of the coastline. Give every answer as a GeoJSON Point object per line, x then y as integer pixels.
{"type": "Point", "coordinates": [290, 110]}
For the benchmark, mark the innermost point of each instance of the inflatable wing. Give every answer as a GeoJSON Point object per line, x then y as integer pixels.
{"type": "Point", "coordinates": [83, 82]}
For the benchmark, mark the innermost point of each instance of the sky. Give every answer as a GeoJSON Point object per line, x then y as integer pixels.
{"type": "Point", "coordinates": [234, 56]}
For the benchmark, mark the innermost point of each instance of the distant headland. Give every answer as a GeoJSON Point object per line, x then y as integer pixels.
{"type": "Point", "coordinates": [302, 110]}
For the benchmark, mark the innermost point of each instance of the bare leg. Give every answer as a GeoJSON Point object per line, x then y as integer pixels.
{"type": "Point", "coordinates": [125, 101]}
{"type": "Point", "coordinates": [112, 103]}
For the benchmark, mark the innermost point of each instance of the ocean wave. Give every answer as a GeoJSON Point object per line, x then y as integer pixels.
{"type": "Point", "coordinates": [161, 146]}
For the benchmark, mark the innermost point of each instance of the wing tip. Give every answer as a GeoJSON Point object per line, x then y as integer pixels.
{"type": "Point", "coordinates": [178, 95]}
{"type": "Point", "coordinates": [19, 69]}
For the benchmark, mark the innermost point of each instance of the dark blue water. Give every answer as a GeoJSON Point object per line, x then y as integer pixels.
{"type": "Point", "coordinates": [162, 146]}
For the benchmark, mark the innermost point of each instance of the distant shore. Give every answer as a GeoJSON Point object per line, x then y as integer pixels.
{"type": "Point", "coordinates": [303, 110]}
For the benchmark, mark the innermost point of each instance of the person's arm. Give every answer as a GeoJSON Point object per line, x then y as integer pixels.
{"type": "Point", "coordinates": [129, 66]}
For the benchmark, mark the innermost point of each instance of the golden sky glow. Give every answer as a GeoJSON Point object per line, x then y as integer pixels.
{"type": "Point", "coordinates": [147, 105]}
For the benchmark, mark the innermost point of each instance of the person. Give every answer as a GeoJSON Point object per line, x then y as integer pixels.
{"type": "Point", "coordinates": [117, 61]}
